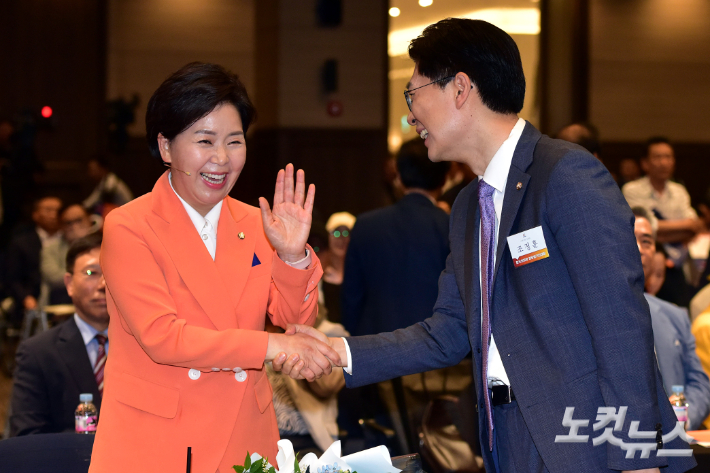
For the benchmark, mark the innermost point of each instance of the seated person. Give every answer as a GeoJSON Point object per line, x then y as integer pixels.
{"type": "Point", "coordinates": [54, 367]}
{"type": "Point", "coordinates": [657, 273]}
{"type": "Point", "coordinates": [306, 413]}
{"type": "Point", "coordinates": [22, 267]}
{"type": "Point", "coordinates": [75, 224]}
{"type": "Point", "coordinates": [674, 344]}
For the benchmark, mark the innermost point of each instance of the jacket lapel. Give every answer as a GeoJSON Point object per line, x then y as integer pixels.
{"type": "Point", "coordinates": [176, 231]}
{"type": "Point", "coordinates": [234, 256]}
{"type": "Point", "coordinates": [522, 158]}
{"type": "Point", "coordinates": [72, 350]}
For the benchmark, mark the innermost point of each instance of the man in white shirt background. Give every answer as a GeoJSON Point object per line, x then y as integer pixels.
{"type": "Point", "coordinates": [669, 201]}
{"type": "Point", "coordinates": [54, 367]}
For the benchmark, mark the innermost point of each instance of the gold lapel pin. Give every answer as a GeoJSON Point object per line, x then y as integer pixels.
{"type": "Point", "coordinates": [519, 185]}
{"type": "Point", "coordinates": [241, 235]}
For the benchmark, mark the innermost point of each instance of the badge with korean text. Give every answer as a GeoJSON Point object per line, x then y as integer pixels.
{"type": "Point", "coordinates": [528, 247]}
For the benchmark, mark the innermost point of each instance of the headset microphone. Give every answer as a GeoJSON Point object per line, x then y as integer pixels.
{"type": "Point", "coordinates": [171, 167]}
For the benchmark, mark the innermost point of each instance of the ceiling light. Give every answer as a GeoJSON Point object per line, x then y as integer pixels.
{"type": "Point", "coordinates": [394, 12]}
{"type": "Point", "coordinates": [425, 3]}
{"type": "Point", "coordinates": [510, 20]}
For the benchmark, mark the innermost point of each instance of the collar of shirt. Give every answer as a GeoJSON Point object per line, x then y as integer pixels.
{"type": "Point", "coordinates": [45, 238]}
{"type": "Point", "coordinates": [496, 174]}
{"type": "Point", "coordinates": [211, 220]}
{"type": "Point", "coordinates": [87, 331]}
{"type": "Point", "coordinates": [652, 190]}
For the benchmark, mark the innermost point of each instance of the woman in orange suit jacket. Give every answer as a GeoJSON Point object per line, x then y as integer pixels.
{"type": "Point", "coordinates": [191, 275]}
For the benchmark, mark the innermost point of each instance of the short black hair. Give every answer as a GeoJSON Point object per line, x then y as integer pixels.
{"type": "Point", "coordinates": [486, 53]}
{"type": "Point", "coordinates": [587, 138]}
{"type": "Point", "coordinates": [66, 205]}
{"type": "Point", "coordinates": [188, 95]}
{"type": "Point", "coordinates": [416, 169]}
{"type": "Point", "coordinates": [655, 140]}
{"type": "Point", "coordinates": [102, 160]}
{"type": "Point", "coordinates": [641, 212]}
{"type": "Point", "coordinates": [82, 246]}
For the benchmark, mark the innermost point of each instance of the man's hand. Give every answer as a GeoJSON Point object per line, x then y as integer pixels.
{"type": "Point", "coordinates": [287, 227]}
{"type": "Point", "coordinates": [309, 358]}
{"type": "Point", "coordinates": [293, 367]}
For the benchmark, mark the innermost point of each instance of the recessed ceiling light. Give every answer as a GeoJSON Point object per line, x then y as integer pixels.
{"type": "Point", "coordinates": [425, 3]}
{"type": "Point", "coordinates": [394, 12]}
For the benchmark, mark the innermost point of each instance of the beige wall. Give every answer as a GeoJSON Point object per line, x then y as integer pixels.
{"type": "Point", "coordinates": [359, 46]}
{"type": "Point", "coordinates": [150, 39]}
{"type": "Point", "coordinates": [650, 69]}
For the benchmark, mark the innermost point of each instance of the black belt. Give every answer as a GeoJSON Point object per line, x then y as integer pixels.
{"type": "Point", "coordinates": [501, 395]}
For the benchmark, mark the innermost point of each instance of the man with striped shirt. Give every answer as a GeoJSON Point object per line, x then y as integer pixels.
{"type": "Point", "coordinates": [54, 367]}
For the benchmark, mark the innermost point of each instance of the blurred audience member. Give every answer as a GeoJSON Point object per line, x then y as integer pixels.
{"type": "Point", "coordinates": [307, 413]}
{"type": "Point", "coordinates": [657, 272]}
{"type": "Point", "coordinates": [110, 191]}
{"type": "Point", "coordinates": [585, 135]}
{"type": "Point", "coordinates": [54, 367]}
{"type": "Point", "coordinates": [459, 176]}
{"type": "Point", "coordinates": [397, 253]}
{"type": "Point", "coordinates": [668, 200]}
{"type": "Point", "coordinates": [670, 203]}
{"type": "Point", "coordinates": [673, 341]}
{"type": "Point", "coordinates": [702, 242]}
{"type": "Point", "coordinates": [338, 227]}
{"type": "Point", "coordinates": [22, 272]}
{"type": "Point", "coordinates": [75, 224]}
{"type": "Point", "coordinates": [629, 170]}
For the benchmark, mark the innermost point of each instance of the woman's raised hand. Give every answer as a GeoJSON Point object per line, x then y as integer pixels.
{"type": "Point", "coordinates": [288, 225]}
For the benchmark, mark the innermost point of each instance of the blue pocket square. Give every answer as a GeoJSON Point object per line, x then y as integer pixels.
{"type": "Point", "coordinates": [255, 261]}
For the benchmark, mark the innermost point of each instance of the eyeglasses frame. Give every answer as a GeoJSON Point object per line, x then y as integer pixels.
{"type": "Point", "coordinates": [408, 92]}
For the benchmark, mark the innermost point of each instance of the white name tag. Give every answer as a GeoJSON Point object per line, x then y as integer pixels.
{"type": "Point", "coordinates": [528, 246]}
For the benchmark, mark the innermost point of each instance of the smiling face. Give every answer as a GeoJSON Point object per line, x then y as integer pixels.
{"type": "Point", "coordinates": [432, 109]}
{"type": "Point", "coordinates": [213, 151]}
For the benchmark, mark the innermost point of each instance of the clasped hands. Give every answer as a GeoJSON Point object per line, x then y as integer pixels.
{"type": "Point", "coordinates": [305, 353]}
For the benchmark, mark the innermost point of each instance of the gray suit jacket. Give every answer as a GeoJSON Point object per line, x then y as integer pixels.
{"type": "Point", "coordinates": [677, 360]}
{"type": "Point", "coordinates": [572, 329]}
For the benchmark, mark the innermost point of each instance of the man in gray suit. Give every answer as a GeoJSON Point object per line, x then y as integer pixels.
{"type": "Point", "coordinates": [674, 343]}
{"type": "Point", "coordinates": [543, 285]}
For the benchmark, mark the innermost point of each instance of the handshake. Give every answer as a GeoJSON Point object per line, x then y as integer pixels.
{"type": "Point", "coordinates": [303, 352]}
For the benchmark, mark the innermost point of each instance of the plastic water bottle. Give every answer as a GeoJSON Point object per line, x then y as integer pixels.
{"type": "Point", "coordinates": [680, 405]}
{"type": "Point", "coordinates": [86, 416]}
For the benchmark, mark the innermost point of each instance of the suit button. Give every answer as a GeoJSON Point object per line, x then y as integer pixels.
{"type": "Point", "coordinates": [241, 376]}
{"type": "Point", "coordinates": [478, 350]}
{"type": "Point", "coordinates": [194, 374]}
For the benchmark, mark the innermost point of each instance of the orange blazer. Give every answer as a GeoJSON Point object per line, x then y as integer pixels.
{"type": "Point", "coordinates": [186, 365]}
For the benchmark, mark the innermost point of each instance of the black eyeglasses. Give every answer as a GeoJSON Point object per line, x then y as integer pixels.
{"type": "Point", "coordinates": [408, 93]}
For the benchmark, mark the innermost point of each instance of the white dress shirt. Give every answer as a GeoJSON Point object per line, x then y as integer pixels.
{"type": "Point", "coordinates": [88, 333]}
{"type": "Point", "coordinates": [496, 175]}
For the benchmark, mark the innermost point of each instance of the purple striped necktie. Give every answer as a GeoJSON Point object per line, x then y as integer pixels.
{"type": "Point", "coordinates": [100, 362]}
{"type": "Point", "coordinates": [488, 223]}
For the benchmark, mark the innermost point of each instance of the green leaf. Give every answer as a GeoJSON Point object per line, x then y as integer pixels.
{"type": "Point", "coordinates": [272, 470]}
{"type": "Point", "coordinates": [247, 461]}
{"type": "Point", "coordinates": [256, 466]}
{"type": "Point", "coordinates": [238, 469]}
{"type": "Point", "coordinates": [296, 466]}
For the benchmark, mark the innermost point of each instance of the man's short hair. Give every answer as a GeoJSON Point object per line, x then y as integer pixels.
{"type": "Point", "coordinates": [587, 136]}
{"type": "Point", "coordinates": [416, 169]}
{"type": "Point", "coordinates": [641, 212]}
{"type": "Point", "coordinates": [655, 140]}
{"type": "Point", "coordinates": [484, 52]}
{"type": "Point", "coordinates": [66, 205]}
{"type": "Point", "coordinates": [82, 246]}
